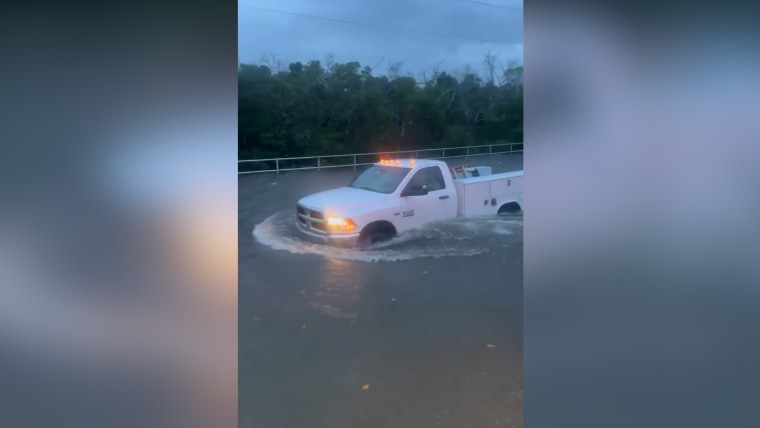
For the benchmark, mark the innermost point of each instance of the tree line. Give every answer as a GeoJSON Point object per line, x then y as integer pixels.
{"type": "Point", "coordinates": [310, 109]}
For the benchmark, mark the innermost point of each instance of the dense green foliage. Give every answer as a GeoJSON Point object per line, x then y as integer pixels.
{"type": "Point", "coordinates": [314, 110]}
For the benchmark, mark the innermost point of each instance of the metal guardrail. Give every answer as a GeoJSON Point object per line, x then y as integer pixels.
{"type": "Point", "coordinates": [360, 159]}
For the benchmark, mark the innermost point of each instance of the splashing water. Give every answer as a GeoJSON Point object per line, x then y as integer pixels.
{"type": "Point", "coordinates": [456, 237]}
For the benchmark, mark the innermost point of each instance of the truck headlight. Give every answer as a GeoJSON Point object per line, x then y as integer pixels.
{"type": "Point", "coordinates": [341, 224]}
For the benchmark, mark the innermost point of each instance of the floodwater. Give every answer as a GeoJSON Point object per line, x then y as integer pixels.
{"type": "Point", "coordinates": [425, 330]}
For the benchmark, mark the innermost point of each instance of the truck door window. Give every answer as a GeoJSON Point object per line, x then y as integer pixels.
{"type": "Point", "coordinates": [431, 177]}
{"type": "Point", "coordinates": [436, 179]}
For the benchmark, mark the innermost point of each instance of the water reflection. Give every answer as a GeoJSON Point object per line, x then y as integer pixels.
{"type": "Point", "coordinates": [339, 288]}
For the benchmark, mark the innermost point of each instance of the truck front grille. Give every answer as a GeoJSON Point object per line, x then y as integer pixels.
{"type": "Point", "coordinates": [311, 219]}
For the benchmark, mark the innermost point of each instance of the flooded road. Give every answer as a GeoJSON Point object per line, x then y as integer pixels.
{"type": "Point", "coordinates": [424, 331]}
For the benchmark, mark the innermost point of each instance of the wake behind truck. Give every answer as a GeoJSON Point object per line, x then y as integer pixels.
{"type": "Point", "coordinates": [395, 196]}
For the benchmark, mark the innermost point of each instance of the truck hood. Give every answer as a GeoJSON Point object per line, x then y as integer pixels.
{"type": "Point", "coordinates": [343, 201]}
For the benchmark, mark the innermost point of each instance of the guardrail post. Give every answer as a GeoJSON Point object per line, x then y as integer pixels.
{"type": "Point", "coordinates": [319, 163]}
{"type": "Point", "coordinates": [490, 149]}
{"type": "Point", "coordinates": [354, 163]}
{"type": "Point", "coordinates": [277, 165]}
{"type": "Point", "coordinates": [443, 153]}
{"type": "Point", "coordinates": [468, 151]}
{"type": "Point", "coordinates": [510, 148]}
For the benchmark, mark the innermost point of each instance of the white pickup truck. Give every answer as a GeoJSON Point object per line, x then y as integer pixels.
{"type": "Point", "coordinates": [392, 197]}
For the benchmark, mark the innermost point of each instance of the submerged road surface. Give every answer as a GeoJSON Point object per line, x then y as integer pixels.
{"type": "Point", "coordinates": [423, 332]}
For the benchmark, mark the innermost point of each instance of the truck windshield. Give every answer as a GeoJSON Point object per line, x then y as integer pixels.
{"type": "Point", "coordinates": [380, 179]}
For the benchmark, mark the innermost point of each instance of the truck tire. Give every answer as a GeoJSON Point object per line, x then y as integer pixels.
{"type": "Point", "coordinates": [379, 237]}
{"type": "Point", "coordinates": [376, 233]}
{"type": "Point", "coordinates": [509, 208]}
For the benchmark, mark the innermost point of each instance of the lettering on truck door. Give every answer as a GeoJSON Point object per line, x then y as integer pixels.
{"type": "Point", "coordinates": [440, 203]}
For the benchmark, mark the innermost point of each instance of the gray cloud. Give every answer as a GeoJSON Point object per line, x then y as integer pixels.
{"type": "Point", "coordinates": [381, 40]}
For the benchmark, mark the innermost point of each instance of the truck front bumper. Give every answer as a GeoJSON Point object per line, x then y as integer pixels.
{"type": "Point", "coordinates": [343, 240]}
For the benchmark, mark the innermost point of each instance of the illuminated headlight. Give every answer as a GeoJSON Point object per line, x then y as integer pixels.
{"type": "Point", "coordinates": [341, 224]}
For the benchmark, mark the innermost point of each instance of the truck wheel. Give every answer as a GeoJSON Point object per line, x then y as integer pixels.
{"type": "Point", "coordinates": [509, 208]}
{"type": "Point", "coordinates": [374, 238]}
{"type": "Point", "coordinates": [375, 234]}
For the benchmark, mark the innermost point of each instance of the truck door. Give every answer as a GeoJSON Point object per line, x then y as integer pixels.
{"type": "Point", "coordinates": [439, 203]}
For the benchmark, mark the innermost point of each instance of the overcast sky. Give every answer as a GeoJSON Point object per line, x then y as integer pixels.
{"type": "Point", "coordinates": [417, 33]}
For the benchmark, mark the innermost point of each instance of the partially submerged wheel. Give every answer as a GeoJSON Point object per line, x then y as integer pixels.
{"type": "Point", "coordinates": [509, 208]}
{"type": "Point", "coordinates": [376, 233]}
{"type": "Point", "coordinates": [379, 237]}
